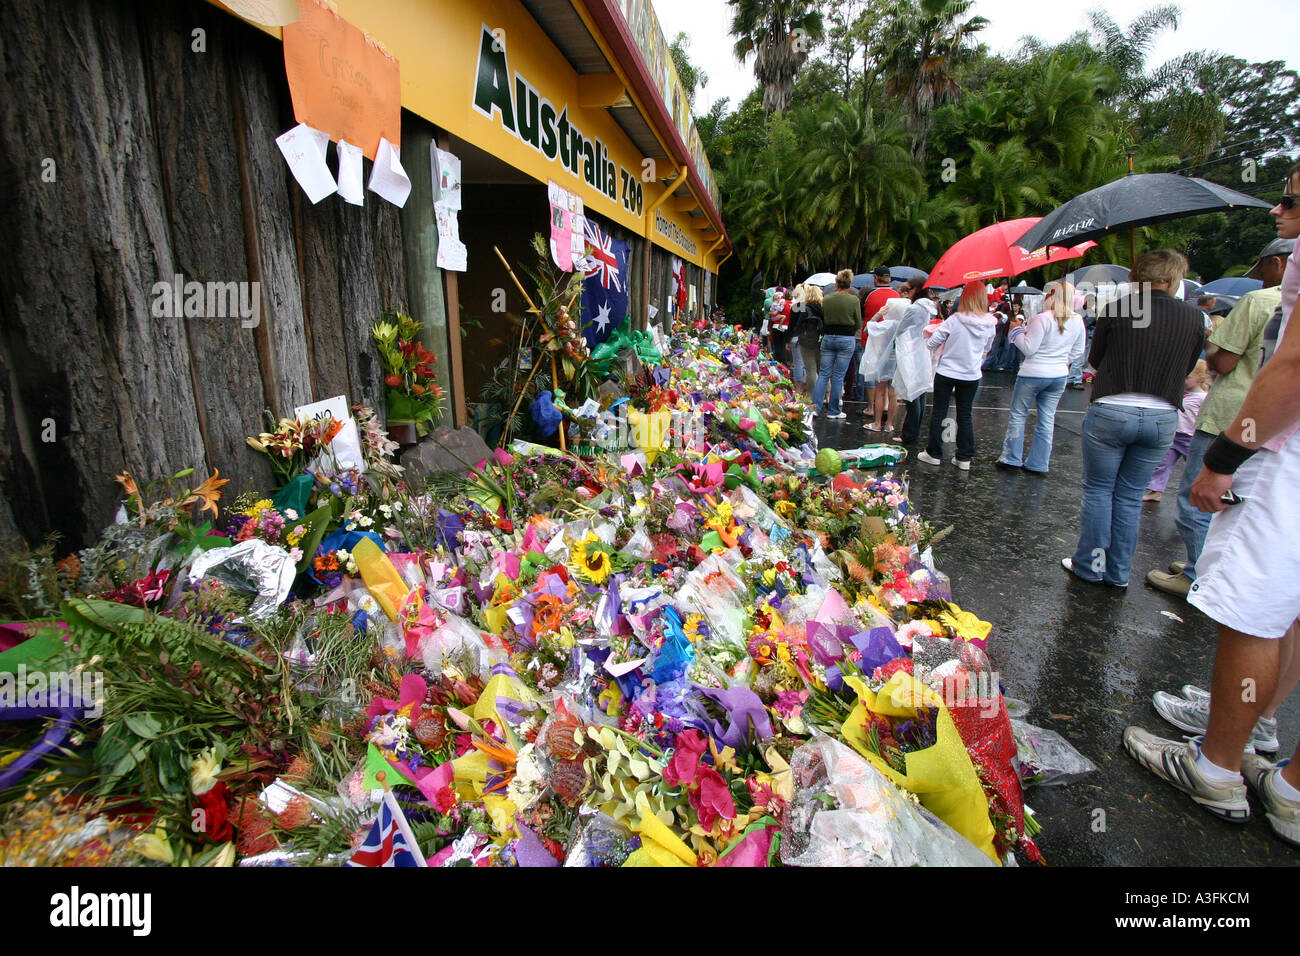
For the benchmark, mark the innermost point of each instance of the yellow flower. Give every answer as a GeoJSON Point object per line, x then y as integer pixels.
{"type": "Point", "coordinates": [153, 846]}
{"type": "Point", "coordinates": [224, 858]}
{"type": "Point", "coordinates": [203, 771]}
{"type": "Point", "coordinates": [591, 562]}
{"type": "Point", "coordinates": [786, 509]}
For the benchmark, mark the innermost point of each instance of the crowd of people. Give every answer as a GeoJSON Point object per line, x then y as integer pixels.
{"type": "Point", "coordinates": [1171, 380]}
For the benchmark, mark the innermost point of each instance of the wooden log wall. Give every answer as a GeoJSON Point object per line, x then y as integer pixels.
{"type": "Point", "coordinates": [129, 155]}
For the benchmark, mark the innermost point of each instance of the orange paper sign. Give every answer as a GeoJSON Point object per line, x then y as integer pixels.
{"type": "Point", "coordinates": [341, 82]}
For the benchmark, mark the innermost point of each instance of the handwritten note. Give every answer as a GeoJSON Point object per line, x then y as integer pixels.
{"type": "Point", "coordinates": [340, 81]}
{"type": "Point", "coordinates": [304, 151]}
{"type": "Point", "coordinates": [350, 178]}
{"type": "Point", "coordinates": [452, 253]}
{"type": "Point", "coordinates": [387, 177]}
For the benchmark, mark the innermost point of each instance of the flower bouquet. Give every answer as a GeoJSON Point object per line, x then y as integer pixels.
{"type": "Point", "coordinates": [412, 392]}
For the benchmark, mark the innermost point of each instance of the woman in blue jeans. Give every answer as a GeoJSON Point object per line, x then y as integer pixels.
{"type": "Point", "coordinates": [1143, 349]}
{"type": "Point", "coordinates": [1050, 343]}
{"type": "Point", "coordinates": [843, 316]}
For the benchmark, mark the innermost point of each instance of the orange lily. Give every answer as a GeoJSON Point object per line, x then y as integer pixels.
{"type": "Point", "coordinates": [209, 493]}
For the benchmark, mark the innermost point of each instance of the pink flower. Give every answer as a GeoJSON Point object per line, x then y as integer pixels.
{"type": "Point", "coordinates": [686, 758]}
{"type": "Point", "coordinates": [712, 799]}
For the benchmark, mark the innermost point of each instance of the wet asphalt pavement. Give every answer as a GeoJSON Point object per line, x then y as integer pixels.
{"type": "Point", "coordinates": [1086, 658]}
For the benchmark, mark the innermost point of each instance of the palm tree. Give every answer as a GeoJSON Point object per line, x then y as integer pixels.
{"type": "Point", "coordinates": [926, 42]}
{"type": "Point", "coordinates": [860, 178]}
{"type": "Point", "coordinates": [1004, 181]}
{"type": "Point", "coordinates": [781, 34]}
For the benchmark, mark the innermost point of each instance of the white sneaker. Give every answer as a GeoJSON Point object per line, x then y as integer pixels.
{"type": "Point", "coordinates": [925, 457]}
{"type": "Point", "coordinates": [1283, 815]}
{"type": "Point", "coordinates": [1175, 763]}
{"type": "Point", "coordinates": [840, 415]}
{"type": "Point", "coordinates": [963, 465]}
{"type": "Point", "coordinates": [1192, 714]}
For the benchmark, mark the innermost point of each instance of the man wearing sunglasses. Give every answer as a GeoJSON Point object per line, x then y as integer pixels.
{"type": "Point", "coordinates": [1249, 583]}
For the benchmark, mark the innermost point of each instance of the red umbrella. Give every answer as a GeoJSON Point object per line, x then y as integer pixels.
{"type": "Point", "coordinates": [992, 252]}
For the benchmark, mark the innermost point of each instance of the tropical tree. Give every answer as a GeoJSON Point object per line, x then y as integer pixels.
{"type": "Point", "coordinates": [926, 42]}
{"type": "Point", "coordinates": [693, 78]}
{"type": "Point", "coordinates": [860, 178]}
{"type": "Point", "coordinates": [780, 33]}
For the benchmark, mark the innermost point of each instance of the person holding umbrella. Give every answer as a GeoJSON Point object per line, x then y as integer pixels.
{"type": "Point", "coordinates": [966, 337]}
{"type": "Point", "coordinates": [1051, 343]}
{"type": "Point", "coordinates": [1144, 349]}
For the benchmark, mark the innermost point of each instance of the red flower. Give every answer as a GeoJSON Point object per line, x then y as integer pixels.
{"type": "Point", "coordinates": [216, 814]}
{"type": "Point", "coordinates": [686, 759]}
{"type": "Point", "coordinates": [444, 800]}
{"type": "Point", "coordinates": [712, 799]}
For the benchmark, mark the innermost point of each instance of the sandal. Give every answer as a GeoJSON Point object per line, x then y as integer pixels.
{"type": "Point", "coordinates": [873, 427]}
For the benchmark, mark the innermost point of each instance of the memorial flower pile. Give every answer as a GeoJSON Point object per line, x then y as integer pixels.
{"type": "Point", "coordinates": [558, 660]}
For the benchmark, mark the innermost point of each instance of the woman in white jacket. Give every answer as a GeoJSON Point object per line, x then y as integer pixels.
{"type": "Point", "coordinates": [1051, 343]}
{"type": "Point", "coordinates": [966, 337]}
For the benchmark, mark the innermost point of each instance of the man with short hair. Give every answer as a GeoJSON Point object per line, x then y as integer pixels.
{"type": "Point", "coordinates": [1249, 582]}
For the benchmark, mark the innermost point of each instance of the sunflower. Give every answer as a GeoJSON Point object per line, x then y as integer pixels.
{"type": "Point", "coordinates": [591, 560]}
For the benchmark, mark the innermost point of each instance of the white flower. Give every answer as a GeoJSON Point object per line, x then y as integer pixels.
{"type": "Point", "coordinates": [290, 514]}
{"type": "Point", "coordinates": [397, 506]}
{"type": "Point", "coordinates": [365, 521]}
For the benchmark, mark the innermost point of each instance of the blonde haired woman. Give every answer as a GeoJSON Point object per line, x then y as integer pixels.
{"type": "Point", "coordinates": [810, 324]}
{"type": "Point", "coordinates": [966, 337]}
{"type": "Point", "coordinates": [1051, 342]}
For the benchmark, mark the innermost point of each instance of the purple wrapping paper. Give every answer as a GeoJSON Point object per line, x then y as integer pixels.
{"type": "Point", "coordinates": [877, 646]}
{"type": "Point", "coordinates": [530, 852]}
{"type": "Point", "coordinates": [743, 706]}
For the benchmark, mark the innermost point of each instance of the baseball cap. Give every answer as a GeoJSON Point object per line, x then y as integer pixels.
{"type": "Point", "coordinates": [1278, 247]}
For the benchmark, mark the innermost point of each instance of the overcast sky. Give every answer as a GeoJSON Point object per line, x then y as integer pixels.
{"type": "Point", "coordinates": [1264, 30]}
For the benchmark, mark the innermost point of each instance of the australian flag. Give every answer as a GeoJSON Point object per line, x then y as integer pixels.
{"type": "Point", "coordinates": [604, 286]}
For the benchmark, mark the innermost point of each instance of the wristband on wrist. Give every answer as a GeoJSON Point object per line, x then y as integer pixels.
{"type": "Point", "coordinates": [1225, 456]}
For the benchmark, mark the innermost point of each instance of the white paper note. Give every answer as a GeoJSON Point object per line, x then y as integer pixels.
{"type": "Point", "coordinates": [304, 151]}
{"type": "Point", "coordinates": [446, 182]}
{"type": "Point", "coordinates": [387, 177]}
{"type": "Point", "coordinates": [351, 182]}
{"type": "Point", "coordinates": [451, 251]}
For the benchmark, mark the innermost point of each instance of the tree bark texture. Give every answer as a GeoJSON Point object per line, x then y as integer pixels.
{"type": "Point", "coordinates": [129, 155]}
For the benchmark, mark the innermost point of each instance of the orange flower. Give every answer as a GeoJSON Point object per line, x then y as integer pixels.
{"type": "Point", "coordinates": [209, 493]}
{"type": "Point", "coordinates": [127, 483]}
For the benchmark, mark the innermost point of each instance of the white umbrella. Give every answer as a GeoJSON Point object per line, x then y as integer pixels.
{"type": "Point", "coordinates": [821, 278]}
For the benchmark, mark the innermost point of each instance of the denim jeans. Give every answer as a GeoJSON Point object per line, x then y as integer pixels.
{"type": "Point", "coordinates": [1046, 394]}
{"type": "Point", "coordinates": [1122, 446]}
{"type": "Point", "coordinates": [797, 372]}
{"type": "Point", "coordinates": [837, 352]}
{"type": "Point", "coordinates": [944, 387]}
{"type": "Point", "coordinates": [1193, 523]}
{"type": "Point", "coordinates": [912, 420]}
{"type": "Point", "coordinates": [852, 380]}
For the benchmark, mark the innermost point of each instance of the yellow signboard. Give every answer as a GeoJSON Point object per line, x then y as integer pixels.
{"type": "Point", "coordinates": [485, 71]}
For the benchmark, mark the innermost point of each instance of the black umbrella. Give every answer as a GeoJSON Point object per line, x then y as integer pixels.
{"type": "Point", "coordinates": [1136, 200]}
{"type": "Point", "coordinates": [1023, 289]}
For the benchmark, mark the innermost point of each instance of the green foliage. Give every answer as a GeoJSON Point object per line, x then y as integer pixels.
{"type": "Point", "coordinates": [901, 133]}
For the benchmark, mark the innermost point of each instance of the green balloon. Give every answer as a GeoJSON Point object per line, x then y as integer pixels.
{"type": "Point", "coordinates": [828, 462]}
